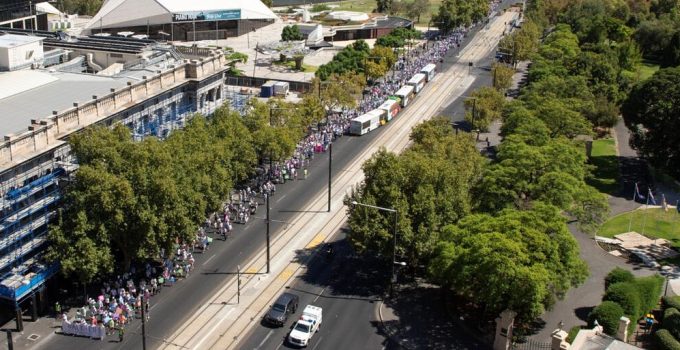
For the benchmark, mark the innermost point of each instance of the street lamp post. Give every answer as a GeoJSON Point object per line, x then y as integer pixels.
{"type": "Point", "coordinates": [330, 149]}
{"type": "Point", "coordinates": [144, 301]}
{"type": "Point", "coordinates": [271, 123]}
{"type": "Point", "coordinates": [393, 278]}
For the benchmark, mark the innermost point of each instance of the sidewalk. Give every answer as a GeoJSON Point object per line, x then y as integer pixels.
{"type": "Point", "coordinates": [34, 332]}
{"type": "Point", "coordinates": [417, 318]}
{"type": "Point", "coordinates": [222, 323]}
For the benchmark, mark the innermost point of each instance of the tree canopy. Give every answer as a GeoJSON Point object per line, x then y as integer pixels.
{"type": "Point", "coordinates": [652, 113]}
{"type": "Point", "coordinates": [521, 260]}
{"type": "Point", "coordinates": [133, 200]}
{"type": "Point", "coordinates": [291, 33]}
{"type": "Point", "coordinates": [454, 13]}
{"type": "Point", "coordinates": [429, 185]}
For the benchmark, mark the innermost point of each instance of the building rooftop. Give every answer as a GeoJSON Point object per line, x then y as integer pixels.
{"type": "Point", "coordinates": [12, 40]}
{"type": "Point", "coordinates": [26, 95]}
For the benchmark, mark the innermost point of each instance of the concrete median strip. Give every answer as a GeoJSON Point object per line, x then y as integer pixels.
{"type": "Point", "coordinates": [221, 322]}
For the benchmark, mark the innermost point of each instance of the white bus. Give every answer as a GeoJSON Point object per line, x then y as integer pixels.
{"type": "Point", "coordinates": [405, 94]}
{"type": "Point", "coordinates": [429, 70]}
{"type": "Point", "coordinates": [391, 107]}
{"type": "Point", "coordinates": [418, 82]}
{"type": "Point", "coordinates": [364, 123]}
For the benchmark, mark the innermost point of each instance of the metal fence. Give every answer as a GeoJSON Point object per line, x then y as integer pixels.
{"type": "Point", "coordinates": [531, 345]}
{"type": "Point", "coordinates": [297, 86]}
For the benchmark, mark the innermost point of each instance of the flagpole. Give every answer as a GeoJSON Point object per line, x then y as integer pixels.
{"type": "Point", "coordinates": [644, 218]}
{"type": "Point", "coordinates": [630, 219]}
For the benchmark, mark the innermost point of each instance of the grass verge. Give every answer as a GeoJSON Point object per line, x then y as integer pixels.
{"type": "Point", "coordinates": [653, 223]}
{"type": "Point", "coordinates": [605, 176]}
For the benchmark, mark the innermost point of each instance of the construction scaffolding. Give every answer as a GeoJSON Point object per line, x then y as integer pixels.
{"type": "Point", "coordinates": [28, 202]}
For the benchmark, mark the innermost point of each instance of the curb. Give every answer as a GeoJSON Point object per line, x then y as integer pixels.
{"type": "Point", "coordinates": [390, 332]}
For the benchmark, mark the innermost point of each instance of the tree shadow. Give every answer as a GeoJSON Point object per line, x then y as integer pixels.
{"type": "Point", "coordinates": [583, 312]}
{"type": "Point", "coordinates": [424, 321]}
{"type": "Point", "coordinates": [336, 267]}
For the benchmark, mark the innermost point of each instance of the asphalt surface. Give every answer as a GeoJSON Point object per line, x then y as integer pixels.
{"type": "Point", "coordinates": [218, 265]}
{"type": "Point", "coordinates": [348, 289]}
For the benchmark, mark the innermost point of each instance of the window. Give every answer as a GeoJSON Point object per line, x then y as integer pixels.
{"type": "Point", "coordinates": [116, 55]}
{"type": "Point", "coordinates": [29, 54]}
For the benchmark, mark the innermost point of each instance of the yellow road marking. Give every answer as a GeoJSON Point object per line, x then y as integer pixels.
{"type": "Point", "coordinates": [252, 270]}
{"type": "Point", "coordinates": [285, 274]}
{"type": "Point", "coordinates": [315, 242]}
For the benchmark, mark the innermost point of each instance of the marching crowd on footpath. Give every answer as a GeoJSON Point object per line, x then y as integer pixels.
{"type": "Point", "coordinates": [126, 296]}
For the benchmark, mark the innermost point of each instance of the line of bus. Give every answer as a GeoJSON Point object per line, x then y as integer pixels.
{"type": "Point", "coordinates": [372, 120]}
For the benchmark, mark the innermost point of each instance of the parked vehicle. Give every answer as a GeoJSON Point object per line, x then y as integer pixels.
{"type": "Point", "coordinates": [308, 324]}
{"type": "Point", "coordinates": [284, 306]}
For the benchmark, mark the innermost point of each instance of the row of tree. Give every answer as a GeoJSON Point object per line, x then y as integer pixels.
{"type": "Point", "coordinates": [614, 37]}
{"type": "Point", "coordinates": [494, 233]}
{"type": "Point", "coordinates": [398, 37]}
{"type": "Point", "coordinates": [359, 59]}
{"type": "Point", "coordinates": [132, 200]}
{"type": "Point", "coordinates": [455, 13]}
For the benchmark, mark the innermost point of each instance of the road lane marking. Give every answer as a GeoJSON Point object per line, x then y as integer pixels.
{"type": "Point", "coordinates": [317, 343]}
{"type": "Point", "coordinates": [318, 295]}
{"type": "Point", "coordinates": [315, 241]}
{"type": "Point", "coordinates": [265, 339]}
{"type": "Point", "coordinates": [285, 274]}
{"type": "Point", "coordinates": [210, 258]}
{"type": "Point", "coordinates": [217, 324]}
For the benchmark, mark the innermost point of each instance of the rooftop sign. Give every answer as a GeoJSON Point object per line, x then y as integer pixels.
{"type": "Point", "coordinates": [216, 15]}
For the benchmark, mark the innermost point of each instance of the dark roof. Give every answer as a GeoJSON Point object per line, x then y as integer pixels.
{"type": "Point", "coordinates": [394, 22]}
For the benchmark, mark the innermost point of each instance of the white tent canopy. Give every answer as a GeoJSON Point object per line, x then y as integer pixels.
{"type": "Point", "coordinates": [46, 7]}
{"type": "Point", "coordinates": [130, 13]}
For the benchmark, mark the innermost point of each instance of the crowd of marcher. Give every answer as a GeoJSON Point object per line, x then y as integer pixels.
{"type": "Point", "coordinates": [122, 298]}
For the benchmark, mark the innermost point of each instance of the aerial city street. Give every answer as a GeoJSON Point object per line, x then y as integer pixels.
{"type": "Point", "coordinates": [357, 174]}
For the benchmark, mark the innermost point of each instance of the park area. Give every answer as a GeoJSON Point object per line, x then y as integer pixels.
{"type": "Point", "coordinates": [605, 175]}
{"type": "Point", "coordinates": [653, 223]}
{"type": "Point", "coordinates": [368, 6]}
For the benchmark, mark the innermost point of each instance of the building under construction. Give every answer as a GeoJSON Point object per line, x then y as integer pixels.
{"type": "Point", "coordinates": [54, 86]}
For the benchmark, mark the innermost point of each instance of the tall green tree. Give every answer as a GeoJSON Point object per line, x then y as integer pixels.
{"type": "Point", "coordinates": [383, 6]}
{"type": "Point", "coordinates": [518, 260]}
{"type": "Point", "coordinates": [428, 185]}
{"type": "Point", "coordinates": [502, 76]}
{"type": "Point", "coordinates": [651, 114]}
{"type": "Point", "coordinates": [483, 107]}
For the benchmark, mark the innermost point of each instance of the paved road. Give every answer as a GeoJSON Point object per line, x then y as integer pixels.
{"type": "Point", "coordinates": [348, 289]}
{"type": "Point", "coordinates": [217, 266]}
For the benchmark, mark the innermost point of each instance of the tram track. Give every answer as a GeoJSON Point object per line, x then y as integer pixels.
{"type": "Point", "coordinates": [201, 328]}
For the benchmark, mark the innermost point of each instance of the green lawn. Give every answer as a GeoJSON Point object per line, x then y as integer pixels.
{"type": "Point", "coordinates": [291, 64]}
{"type": "Point", "coordinates": [657, 224]}
{"type": "Point", "coordinates": [368, 6]}
{"type": "Point", "coordinates": [605, 176]}
{"type": "Point", "coordinates": [646, 70]}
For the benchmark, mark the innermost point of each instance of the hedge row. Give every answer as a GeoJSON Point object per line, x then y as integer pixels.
{"type": "Point", "coordinates": [636, 297]}
{"type": "Point", "coordinates": [666, 341]}
{"type": "Point", "coordinates": [629, 296]}
{"type": "Point", "coordinates": [671, 302]}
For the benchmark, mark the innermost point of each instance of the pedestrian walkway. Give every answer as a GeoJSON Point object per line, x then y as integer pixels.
{"type": "Point", "coordinates": [415, 318]}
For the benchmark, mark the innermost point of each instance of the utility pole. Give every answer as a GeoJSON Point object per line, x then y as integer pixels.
{"type": "Point", "coordinates": [10, 343]}
{"type": "Point", "coordinates": [267, 203]}
{"type": "Point", "coordinates": [238, 283]}
{"type": "Point", "coordinates": [144, 301]}
{"type": "Point", "coordinates": [330, 174]}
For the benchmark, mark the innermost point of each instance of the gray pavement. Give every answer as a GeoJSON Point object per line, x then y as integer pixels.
{"type": "Point", "coordinates": [417, 318]}
{"type": "Point", "coordinates": [573, 310]}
